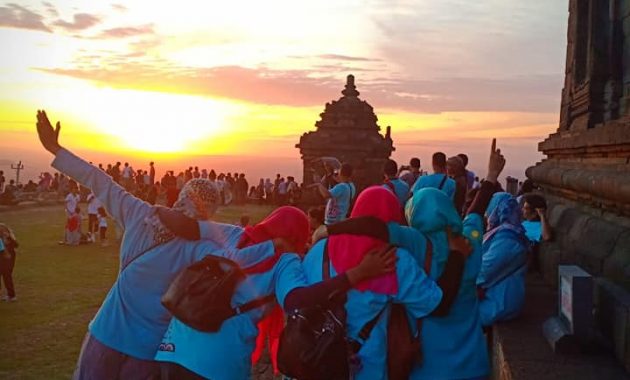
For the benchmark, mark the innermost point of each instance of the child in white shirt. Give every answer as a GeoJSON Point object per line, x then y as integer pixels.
{"type": "Point", "coordinates": [102, 226]}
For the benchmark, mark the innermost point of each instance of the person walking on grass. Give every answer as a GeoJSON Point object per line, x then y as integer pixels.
{"type": "Point", "coordinates": [8, 244]}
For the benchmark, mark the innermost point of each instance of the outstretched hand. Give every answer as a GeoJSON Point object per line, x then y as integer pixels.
{"type": "Point", "coordinates": [48, 136]}
{"type": "Point", "coordinates": [496, 163]}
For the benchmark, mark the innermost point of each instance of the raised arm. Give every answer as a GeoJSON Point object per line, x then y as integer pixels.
{"type": "Point", "coordinates": [496, 163]}
{"type": "Point", "coordinates": [121, 205]}
{"type": "Point", "coordinates": [188, 228]}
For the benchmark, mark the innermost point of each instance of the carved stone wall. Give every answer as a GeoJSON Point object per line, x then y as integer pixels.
{"type": "Point", "coordinates": [586, 174]}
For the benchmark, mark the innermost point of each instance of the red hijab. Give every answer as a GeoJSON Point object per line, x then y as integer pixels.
{"type": "Point", "coordinates": [289, 223]}
{"type": "Point", "coordinates": [347, 251]}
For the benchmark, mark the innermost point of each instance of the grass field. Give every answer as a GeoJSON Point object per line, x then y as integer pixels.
{"type": "Point", "coordinates": [59, 289]}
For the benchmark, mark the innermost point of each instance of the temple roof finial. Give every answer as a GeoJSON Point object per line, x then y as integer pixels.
{"type": "Point", "coordinates": [351, 89]}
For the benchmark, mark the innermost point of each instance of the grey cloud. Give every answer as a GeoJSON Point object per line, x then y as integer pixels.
{"type": "Point", "coordinates": [16, 16]}
{"type": "Point", "coordinates": [347, 58]}
{"type": "Point", "coordinates": [130, 31]}
{"type": "Point", "coordinates": [297, 88]}
{"type": "Point", "coordinates": [119, 7]}
{"type": "Point", "coordinates": [81, 21]}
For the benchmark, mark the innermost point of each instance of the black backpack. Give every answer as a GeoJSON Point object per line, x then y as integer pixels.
{"type": "Point", "coordinates": [313, 344]}
{"type": "Point", "coordinates": [200, 295]}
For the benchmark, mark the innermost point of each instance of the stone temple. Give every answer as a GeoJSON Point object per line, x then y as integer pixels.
{"type": "Point", "coordinates": [586, 175]}
{"type": "Point", "coordinates": [347, 131]}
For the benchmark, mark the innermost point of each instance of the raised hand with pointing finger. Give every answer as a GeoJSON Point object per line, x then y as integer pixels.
{"type": "Point", "coordinates": [496, 163]}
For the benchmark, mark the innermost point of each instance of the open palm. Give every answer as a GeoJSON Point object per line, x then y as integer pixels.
{"type": "Point", "coordinates": [47, 135]}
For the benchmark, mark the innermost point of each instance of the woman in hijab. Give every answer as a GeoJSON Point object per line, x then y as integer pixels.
{"type": "Point", "coordinates": [501, 280]}
{"type": "Point", "coordinates": [124, 335]}
{"type": "Point", "coordinates": [408, 286]}
{"type": "Point", "coordinates": [227, 353]}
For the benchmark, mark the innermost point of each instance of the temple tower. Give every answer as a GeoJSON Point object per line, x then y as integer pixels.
{"type": "Point", "coordinates": [348, 131]}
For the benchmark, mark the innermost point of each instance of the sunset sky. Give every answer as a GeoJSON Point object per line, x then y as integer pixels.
{"type": "Point", "coordinates": [231, 85]}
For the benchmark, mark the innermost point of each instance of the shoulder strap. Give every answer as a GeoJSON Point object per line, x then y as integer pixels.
{"type": "Point", "coordinates": [443, 181]}
{"type": "Point", "coordinates": [143, 252]}
{"type": "Point", "coordinates": [258, 302]}
{"type": "Point", "coordinates": [365, 332]}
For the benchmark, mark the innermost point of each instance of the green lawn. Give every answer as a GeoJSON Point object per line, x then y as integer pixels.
{"type": "Point", "coordinates": [59, 288]}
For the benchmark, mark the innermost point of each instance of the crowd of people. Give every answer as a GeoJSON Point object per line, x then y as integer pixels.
{"type": "Point", "coordinates": [453, 263]}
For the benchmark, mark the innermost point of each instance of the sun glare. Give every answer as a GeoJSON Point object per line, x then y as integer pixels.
{"type": "Point", "coordinates": [154, 122]}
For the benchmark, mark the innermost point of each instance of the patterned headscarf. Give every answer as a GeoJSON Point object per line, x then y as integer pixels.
{"type": "Point", "coordinates": [198, 199]}
{"type": "Point", "coordinates": [503, 212]}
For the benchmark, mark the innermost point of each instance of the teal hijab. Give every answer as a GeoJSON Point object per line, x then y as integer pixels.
{"type": "Point", "coordinates": [431, 211]}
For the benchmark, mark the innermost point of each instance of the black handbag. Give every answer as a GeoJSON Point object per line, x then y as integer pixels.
{"type": "Point", "coordinates": [313, 344]}
{"type": "Point", "coordinates": [201, 295]}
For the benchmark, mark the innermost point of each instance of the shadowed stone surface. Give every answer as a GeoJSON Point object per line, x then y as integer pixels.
{"type": "Point", "coordinates": [521, 352]}
{"type": "Point", "coordinates": [586, 174]}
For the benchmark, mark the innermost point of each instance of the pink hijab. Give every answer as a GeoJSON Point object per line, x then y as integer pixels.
{"type": "Point", "coordinates": [347, 251]}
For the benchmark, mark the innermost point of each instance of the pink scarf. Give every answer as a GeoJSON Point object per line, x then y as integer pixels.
{"type": "Point", "coordinates": [347, 251]}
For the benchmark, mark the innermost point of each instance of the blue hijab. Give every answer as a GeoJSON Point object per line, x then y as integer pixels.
{"type": "Point", "coordinates": [503, 212]}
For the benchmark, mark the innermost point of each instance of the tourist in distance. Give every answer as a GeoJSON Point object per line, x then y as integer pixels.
{"type": "Point", "coordinates": [8, 246]}
{"type": "Point", "coordinates": [470, 176]}
{"type": "Point", "coordinates": [339, 197]}
{"type": "Point", "coordinates": [124, 335]}
{"type": "Point", "coordinates": [395, 184]}
{"type": "Point", "coordinates": [537, 228]}
{"type": "Point", "coordinates": [413, 172]}
{"type": "Point", "coordinates": [535, 222]}
{"type": "Point", "coordinates": [439, 179]}
{"type": "Point", "coordinates": [455, 169]}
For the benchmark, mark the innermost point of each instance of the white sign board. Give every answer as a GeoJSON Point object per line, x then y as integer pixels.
{"type": "Point", "coordinates": [566, 300]}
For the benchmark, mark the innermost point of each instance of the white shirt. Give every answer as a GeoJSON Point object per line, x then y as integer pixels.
{"type": "Point", "coordinates": [126, 172]}
{"type": "Point", "coordinates": [72, 201]}
{"type": "Point", "coordinates": [93, 204]}
{"type": "Point", "coordinates": [102, 221]}
{"type": "Point", "coordinates": [282, 188]}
